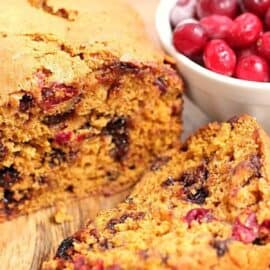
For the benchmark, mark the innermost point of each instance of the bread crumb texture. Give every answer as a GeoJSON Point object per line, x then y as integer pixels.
{"type": "Point", "coordinates": [204, 207]}
{"type": "Point", "coordinates": [87, 103]}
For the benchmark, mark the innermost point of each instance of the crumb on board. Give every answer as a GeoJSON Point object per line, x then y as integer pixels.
{"type": "Point", "coordinates": [61, 214]}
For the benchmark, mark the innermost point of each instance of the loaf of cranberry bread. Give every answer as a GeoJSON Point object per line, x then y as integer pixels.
{"type": "Point", "coordinates": [86, 102]}
{"type": "Point", "coordinates": [205, 207]}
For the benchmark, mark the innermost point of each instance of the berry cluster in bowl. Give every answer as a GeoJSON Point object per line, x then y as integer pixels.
{"type": "Point", "coordinates": [230, 37]}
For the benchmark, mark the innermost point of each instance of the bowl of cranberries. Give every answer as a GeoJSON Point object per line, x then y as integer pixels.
{"type": "Point", "coordinates": [222, 49]}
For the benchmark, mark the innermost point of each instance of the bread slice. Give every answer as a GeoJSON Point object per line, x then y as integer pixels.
{"type": "Point", "coordinates": [204, 207]}
{"type": "Point", "coordinates": [87, 103]}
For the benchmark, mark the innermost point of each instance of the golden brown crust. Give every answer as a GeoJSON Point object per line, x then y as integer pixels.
{"type": "Point", "coordinates": [94, 28]}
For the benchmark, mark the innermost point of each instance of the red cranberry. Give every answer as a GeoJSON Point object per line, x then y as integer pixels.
{"type": "Point", "coordinates": [247, 232]}
{"type": "Point", "coordinates": [263, 45]}
{"type": "Point", "coordinates": [57, 93]}
{"type": "Point", "coordinates": [258, 7]}
{"type": "Point", "coordinates": [218, 7]}
{"type": "Point", "coordinates": [189, 38]}
{"type": "Point", "coordinates": [81, 137]}
{"type": "Point", "coordinates": [252, 68]}
{"type": "Point", "coordinates": [264, 230]}
{"type": "Point", "coordinates": [246, 52]}
{"type": "Point", "coordinates": [245, 30]}
{"type": "Point", "coordinates": [80, 263]}
{"type": "Point", "coordinates": [217, 26]}
{"type": "Point", "coordinates": [265, 225]}
{"type": "Point", "coordinates": [219, 57]}
{"type": "Point", "coordinates": [198, 214]}
{"type": "Point", "coordinates": [184, 9]}
{"type": "Point", "coordinates": [267, 19]}
{"type": "Point", "coordinates": [98, 265]}
{"type": "Point", "coordinates": [63, 137]}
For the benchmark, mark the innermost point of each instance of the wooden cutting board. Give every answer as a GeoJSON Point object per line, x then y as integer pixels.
{"type": "Point", "coordinates": [27, 241]}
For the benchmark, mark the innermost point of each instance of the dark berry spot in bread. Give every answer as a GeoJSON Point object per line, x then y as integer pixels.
{"type": "Point", "coordinates": [57, 118]}
{"type": "Point", "coordinates": [11, 203]}
{"type": "Point", "coordinates": [41, 179]}
{"type": "Point", "coordinates": [194, 184]}
{"type": "Point", "coordinates": [112, 175]}
{"type": "Point", "coordinates": [132, 215]}
{"type": "Point", "coordinates": [63, 250]}
{"type": "Point", "coordinates": [161, 84]}
{"type": "Point", "coordinates": [128, 67]}
{"type": "Point", "coordinates": [57, 157]}
{"type": "Point", "coordinates": [94, 233]}
{"type": "Point", "coordinates": [114, 221]}
{"type": "Point", "coordinates": [110, 225]}
{"type": "Point", "coordinates": [256, 165]}
{"type": "Point", "coordinates": [264, 233]}
{"type": "Point", "coordinates": [159, 162]}
{"type": "Point", "coordinates": [3, 152]}
{"type": "Point", "coordinates": [197, 175]}
{"type": "Point", "coordinates": [70, 188]}
{"type": "Point", "coordinates": [199, 196]}
{"type": "Point", "coordinates": [168, 182]}
{"type": "Point", "coordinates": [221, 247]}
{"type": "Point", "coordinates": [199, 215]}
{"type": "Point", "coordinates": [8, 196]}
{"type": "Point", "coordinates": [116, 126]}
{"type": "Point", "coordinates": [233, 120]}
{"type": "Point", "coordinates": [118, 129]}
{"type": "Point", "coordinates": [105, 244]}
{"type": "Point", "coordinates": [26, 102]}
{"type": "Point", "coordinates": [184, 147]}
{"type": "Point", "coordinates": [8, 177]}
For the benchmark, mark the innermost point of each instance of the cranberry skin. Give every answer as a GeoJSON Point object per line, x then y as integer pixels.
{"type": "Point", "coordinates": [189, 39]}
{"type": "Point", "coordinates": [198, 214]}
{"type": "Point", "coordinates": [264, 230]}
{"type": "Point", "coordinates": [227, 8]}
{"type": "Point", "coordinates": [184, 9]}
{"type": "Point", "coordinates": [56, 94]}
{"type": "Point", "coordinates": [252, 68]}
{"type": "Point", "coordinates": [258, 7]}
{"type": "Point", "coordinates": [263, 45]}
{"type": "Point", "coordinates": [245, 30]}
{"type": "Point", "coordinates": [247, 51]}
{"type": "Point", "coordinates": [265, 225]}
{"type": "Point", "coordinates": [217, 26]}
{"type": "Point", "coordinates": [267, 19]}
{"type": "Point", "coordinates": [63, 137]}
{"type": "Point", "coordinates": [219, 57]}
{"type": "Point", "coordinates": [247, 232]}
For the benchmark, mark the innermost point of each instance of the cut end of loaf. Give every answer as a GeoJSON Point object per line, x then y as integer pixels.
{"type": "Point", "coordinates": [95, 135]}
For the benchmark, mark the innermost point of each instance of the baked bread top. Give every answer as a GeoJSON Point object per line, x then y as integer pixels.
{"type": "Point", "coordinates": [111, 25]}
{"type": "Point", "coordinates": [67, 38]}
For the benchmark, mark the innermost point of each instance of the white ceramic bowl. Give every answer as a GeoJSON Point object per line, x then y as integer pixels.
{"type": "Point", "coordinates": [219, 96]}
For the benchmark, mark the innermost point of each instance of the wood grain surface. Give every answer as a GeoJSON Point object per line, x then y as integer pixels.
{"type": "Point", "coordinates": [27, 241]}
